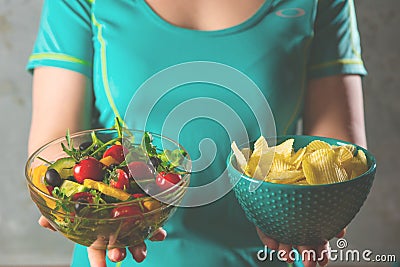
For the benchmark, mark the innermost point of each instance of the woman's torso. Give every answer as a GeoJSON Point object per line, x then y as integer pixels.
{"type": "Point", "coordinates": [141, 43]}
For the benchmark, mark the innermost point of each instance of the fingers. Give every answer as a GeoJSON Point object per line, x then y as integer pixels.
{"type": "Point", "coordinates": [313, 255]}
{"type": "Point", "coordinates": [341, 233]}
{"type": "Point", "coordinates": [45, 223]}
{"type": "Point", "coordinates": [97, 257]}
{"type": "Point", "coordinates": [308, 258]}
{"type": "Point", "coordinates": [116, 254]}
{"type": "Point", "coordinates": [267, 241]}
{"type": "Point", "coordinates": [159, 235]}
{"type": "Point", "coordinates": [139, 252]}
{"type": "Point", "coordinates": [286, 249]}
{"type": "Point", "coordinates": [323, 254]}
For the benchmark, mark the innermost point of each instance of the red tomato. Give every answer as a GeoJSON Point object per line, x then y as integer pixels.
{"type": "Point", "coordinates": [133, 214]}
{"type": "Point", "coordinates": [116, 152]}
{"type": "Point", "coordinates": [122, 180]}
{"type": "Point", "coordinates": [138, 195]}
{"type": "Point", "coordinates": [140, 170]}
{"type": "Point", "coordinates": [83, 197]}
{"type": "Point", "coordinates": [50, 189]}
{"type": "Point", "coordinates": [167, 180]}
{"type": "Point", "coordinates": [89, 168]}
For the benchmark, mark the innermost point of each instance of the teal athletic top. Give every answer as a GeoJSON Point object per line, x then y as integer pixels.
{"type": "Point", "coordinates": [120, 44]}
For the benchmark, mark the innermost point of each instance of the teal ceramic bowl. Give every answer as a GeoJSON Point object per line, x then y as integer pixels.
{"type": "Point", "coordinates": [302, 214]}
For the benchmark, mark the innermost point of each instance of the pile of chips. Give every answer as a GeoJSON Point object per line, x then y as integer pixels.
{"type": "Point", "coordinates": [317, 163]}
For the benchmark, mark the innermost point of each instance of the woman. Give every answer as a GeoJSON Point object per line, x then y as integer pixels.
{"type": "Point", "coordinates": [94, 55]}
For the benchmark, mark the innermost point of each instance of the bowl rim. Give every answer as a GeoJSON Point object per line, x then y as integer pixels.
{"type": "Point", "coordinates": [371, 169]}
{"type": "Point", "coordinates": [185, 179]}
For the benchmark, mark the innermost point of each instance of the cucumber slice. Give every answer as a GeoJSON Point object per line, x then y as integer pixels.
{"type": "Point", "coordinates": [70, 188]}
{"type": "Point", "coordinates": [64, 166]}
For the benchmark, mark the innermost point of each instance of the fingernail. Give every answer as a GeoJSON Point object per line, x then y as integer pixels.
{"type": "Point", "coordinates": [113, 257]}
{"type": "Point", "coordinates": [116, 255]}
{"type": "Point", "coordinates": [141, 252]}
{"type": "Point", "coordinates": [157, 237]}
{"type": "Point", "coordinates": [142, 256]}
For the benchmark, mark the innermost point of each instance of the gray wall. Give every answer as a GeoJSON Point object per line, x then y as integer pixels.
{"type": "Point", "coordinates": [376, 227]}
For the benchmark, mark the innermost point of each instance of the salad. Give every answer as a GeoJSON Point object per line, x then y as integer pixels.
{"type": "Point", "coordinates": [105, 188]}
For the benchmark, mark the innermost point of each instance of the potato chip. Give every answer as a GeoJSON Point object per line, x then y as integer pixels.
{"type": "Point", "coordinates": [298, 157]}
{"type": "Point", "coordinates": [285, 148]}
{"type": "Point", "coordinates": [322, 167]}
{"type": "Point", "coordinates": [275, 175]}
{"type": "Point", "coordinates": [358, 165]}
{"type": "Point", "coordinates": [252, 165]}
{"type": "Point", "coordinates": [259, 166]}
{"type": "Point", "coordinates": [281, 163]}
{"type": "Point", "coordinates": [240, 158]}
{"type": "Point", "coordinates": [302, 182]}
{"type": "Point", "coordinates": [343, 153]}
{"type": "Point", "coordinates": [351, 148]}
{"type": "Point", "coordinates": [317, 163]}
{"type": "Point", "coordinates": [260, 146]}
{"type": "Point", "coordinates": [316, 145]}
{"type": "Point", "coordinates": [361, 156]}
{"type": "Point", "coordinates": [246, 153]}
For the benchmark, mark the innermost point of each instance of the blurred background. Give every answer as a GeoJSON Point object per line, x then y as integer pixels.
{"type": "Point", "coordinates": [376, 227]}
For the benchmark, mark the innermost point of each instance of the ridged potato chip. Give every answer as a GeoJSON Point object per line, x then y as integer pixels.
{"type": "Point", "coordinates": [281, 163]}
{"type": "Point", "coordinates": [297, 157]}
{"type": "Point", "coordinates": [285, 177]}
{"type": "Point", "coordinates": [322, 167]}
{"type": "Point", "coordinates": [317, 163]}
{"type": "Point", "coordinates": [317, 145]}
{"type": "Point", "coordinates": [344, 154]}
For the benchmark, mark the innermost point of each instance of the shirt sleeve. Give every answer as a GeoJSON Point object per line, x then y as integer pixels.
{"type": "Point", "coordinates": [64, 39]}
{"type": "Point", "coordinates": [335, 48]}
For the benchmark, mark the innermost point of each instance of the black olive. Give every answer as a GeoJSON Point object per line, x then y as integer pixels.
{"type": "Point", "coordinates": [112, 166]}
{"type": "Point", "coordinates": [85, 145]}
{"type": "Point", "coordinates": [79, 206]}
{"type": "Point", "coordinates": [155, 161]}
{"type": "Point", "coordinates": [53, 178]}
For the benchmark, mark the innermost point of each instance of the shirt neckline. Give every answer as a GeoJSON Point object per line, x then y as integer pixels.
{"type": "Point", "coordinates": [265, 7]}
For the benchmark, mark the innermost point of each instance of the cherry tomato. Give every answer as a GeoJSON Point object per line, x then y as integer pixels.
{"type": "Point", "coordinates": [122, 180]}
{"type": "Point", "coordinates": [50, 189]}
{"type": "Point", "coordinates": [85, 197]}
{"type": "Point", "coordinates": [166, 180]}
{"type": "Point", "coordinates": [89, 168]}
{"type": "Point", "coordinates": [133, 214]}
{"type": "Point", "coordinates": [140, 170]}
{"type": "Point", "coordinates": [116, 152]}
{"type": "Point", "coordinates": [138, 195]}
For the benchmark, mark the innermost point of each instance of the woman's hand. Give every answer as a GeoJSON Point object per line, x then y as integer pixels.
{"type": "Point", "coordinates": [97, 257]}
{"type": "Point", "coordinates": [139, 252]}
{"type": "Point", "coordinates": [320, 251]}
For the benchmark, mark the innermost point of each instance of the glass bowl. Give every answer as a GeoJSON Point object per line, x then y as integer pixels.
{"type": "Point", "coordinates": [302, 214]}
{"type": "Point", "coordinates": [96, 227]}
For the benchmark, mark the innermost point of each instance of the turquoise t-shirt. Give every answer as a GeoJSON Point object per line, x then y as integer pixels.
{"type": "Point", "coordinates": [185, 76]}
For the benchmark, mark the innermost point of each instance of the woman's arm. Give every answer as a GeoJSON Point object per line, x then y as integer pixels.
{"type": "Point", "coordinates": [333, 108]}
{"type": "Point", "coordinates": [61, 99]}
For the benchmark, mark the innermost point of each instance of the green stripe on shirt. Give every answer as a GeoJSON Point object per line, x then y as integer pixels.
{"type": "Point", "coordinates": [62, 57]}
